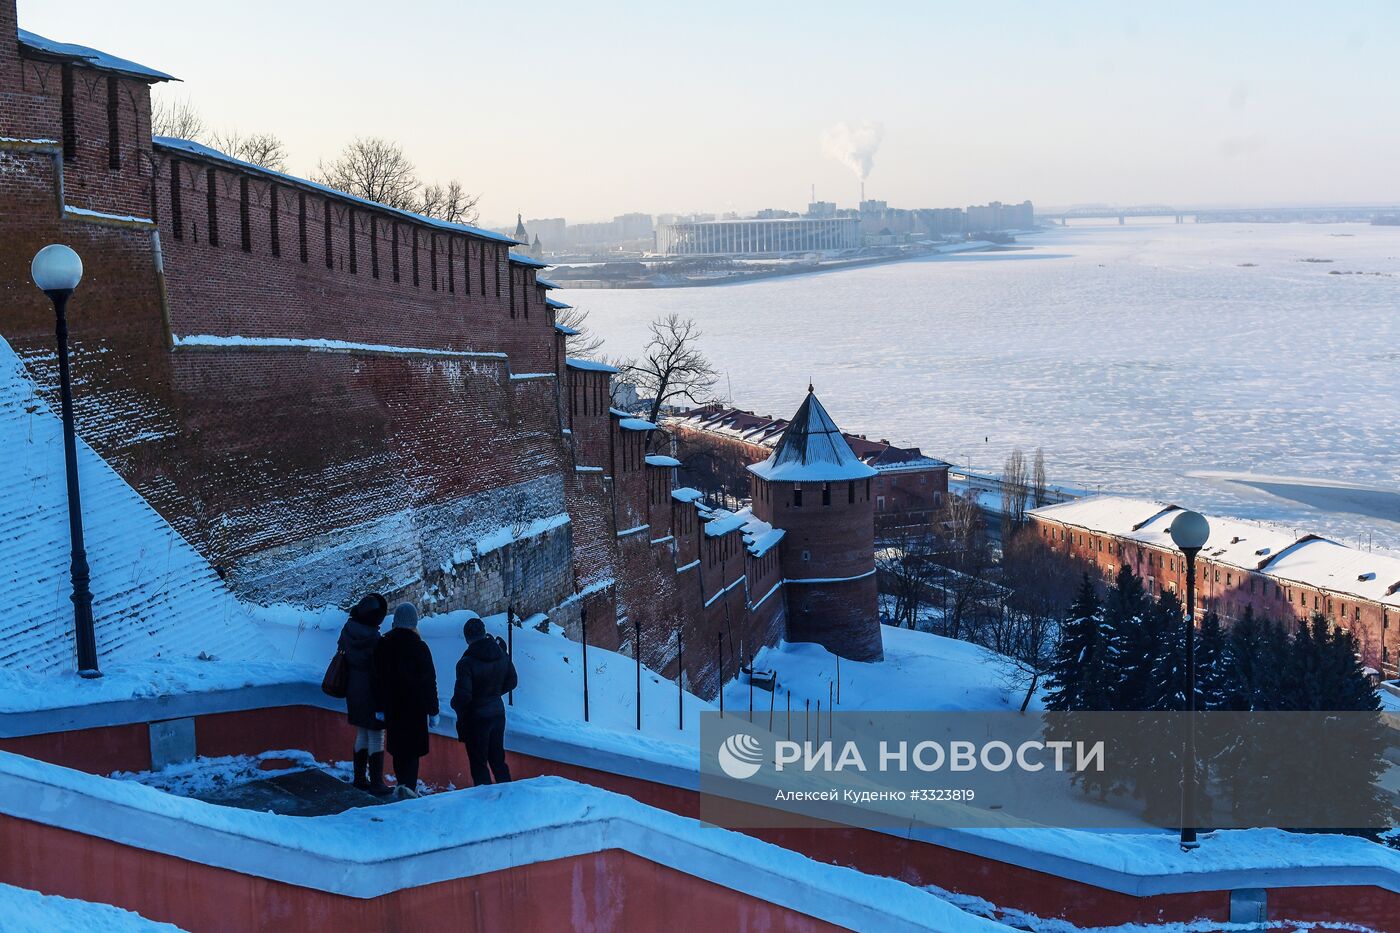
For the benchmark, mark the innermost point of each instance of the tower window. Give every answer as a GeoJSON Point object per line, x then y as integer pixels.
{"type": "Point", "coordinates": [851, 492]}
{"type": "Point", "coordinates": [350, 233]}
{"type": "Point", "coordinates": [394, 249]}
{"type": "Point", "coordinates": [797, 495]}
{"type": "Point", "coordinates": [330, 252]}
{"type": "Point", "coordinates": [826, 494]}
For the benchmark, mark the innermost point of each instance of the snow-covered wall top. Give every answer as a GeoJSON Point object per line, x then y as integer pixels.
{"type": "Point", "coordinates": [153, 594]}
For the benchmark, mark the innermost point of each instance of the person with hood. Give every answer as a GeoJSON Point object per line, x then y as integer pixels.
{"type": "Point", "coordinates": [408, 693]}
{"type": "Point", "coordinates": [362, 707]}
{"type": "Point", "coordinates": [484, 674]}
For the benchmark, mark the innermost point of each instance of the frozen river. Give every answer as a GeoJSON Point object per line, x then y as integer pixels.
{"type": "Point", "coordinates": [1250, 369]}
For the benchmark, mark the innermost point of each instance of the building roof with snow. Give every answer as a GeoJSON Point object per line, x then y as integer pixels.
{"type": "Point", "coordinates": [189, 147]}
{"type": "Point", "coordinates": [1282, 553]}
{"type": "Point", "coordinates": [590, 365]}
{"type": "Point", "coordinates": [765, 431]}
{"type": "Point", "coordinates": [92, 58]}
{"type": "Point", "coordinates": [812, 450]}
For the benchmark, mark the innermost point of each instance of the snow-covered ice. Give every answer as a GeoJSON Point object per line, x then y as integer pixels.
{"type": "Point", "coordinates": [1136, 356]}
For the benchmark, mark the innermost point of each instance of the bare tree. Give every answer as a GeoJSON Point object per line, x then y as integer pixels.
{"type": "Point", "coordinates": [264, 149]}
{"type": "Point", "coordinates": [1039, 589]}
{"type": "Point", "coordinates": [585, 344]}
{"type": "Point", "coordinates": [906, 573]}
{"type": "Point", "coordinates": [177, 118]}
{"type": "Point", "coordinates": [672, 366]}
{"type": "Point", "coordinates": [1015, 490]}
{"type": "Point", "coordinates": [449, 202]}
{"type": "Point", "coordinates": [375, 169]}
{"type": "Point", "coordinates": [1040, 494]}
{"type": "Point", "coordinates": [965, 554]}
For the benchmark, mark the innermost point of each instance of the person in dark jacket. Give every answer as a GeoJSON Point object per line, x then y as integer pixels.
{"type": "Point", "coordinates": [408, 693]}
{"type": "Point", "coordinates": [484, 675]}
{"type": "Point", "coordinates": [358, 640]}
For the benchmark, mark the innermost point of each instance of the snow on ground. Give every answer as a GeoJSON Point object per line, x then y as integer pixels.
{"type": "Point", "coordinates": [550, 666]}
{"type": "Point", "coordinates": [201, 776]}
{"type": "Point", "coordinates": [24, 911]}
{"type": "Point", "coordinates": [1134, 355]}
{"type": "Point", "coordinates": [921, 671]}
{"type": "Point", "coordinates": [22, 691]}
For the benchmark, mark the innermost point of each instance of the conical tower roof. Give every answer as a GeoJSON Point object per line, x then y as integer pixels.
{"type": "Point", "coordinates": [812, 450]}
{"type": "Point", "coordinates": [520, 233]}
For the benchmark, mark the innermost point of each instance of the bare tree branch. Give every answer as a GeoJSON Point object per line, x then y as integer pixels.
{"type": "Point", "coordinates": [672, 366]}
{"type": "Point", "coordinates": [586, 343]}
{"type": "Point", "coordinates": [449, 202]}
{"type": "Point", "coordinates": [177, 118]}
{"type": "Point", "coordinates": [374, 169]}
{"type": "Point", "coordinates": [264, 149]}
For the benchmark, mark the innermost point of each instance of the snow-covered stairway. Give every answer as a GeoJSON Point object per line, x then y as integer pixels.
{"type": "Point", "coordinates": [155, 596]}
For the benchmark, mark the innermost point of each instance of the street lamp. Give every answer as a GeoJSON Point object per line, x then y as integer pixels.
{"type": "Point", "coordinates": [1189, 532]}
{"type": "Point", "coordinates": [57, 270]}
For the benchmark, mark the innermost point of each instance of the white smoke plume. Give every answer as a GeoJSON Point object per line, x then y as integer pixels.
{"type": "Point", "coordinates": [854, 146]}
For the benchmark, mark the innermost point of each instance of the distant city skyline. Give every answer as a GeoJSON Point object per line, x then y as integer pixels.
{"type": "Point", "coordinates": [589, 113]}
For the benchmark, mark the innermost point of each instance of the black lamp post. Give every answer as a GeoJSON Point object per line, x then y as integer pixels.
{"type": "Point", "coordinates": [1189, 532]}
{"type": "Point", "coordinates": [57, 270]}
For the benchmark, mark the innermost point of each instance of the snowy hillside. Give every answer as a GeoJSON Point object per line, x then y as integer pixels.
{"type": "Point", "coordinates": [154, 596]}
{"type": "Point", "coordinates": [921, 671]}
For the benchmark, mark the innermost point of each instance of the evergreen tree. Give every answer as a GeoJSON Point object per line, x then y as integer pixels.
{"type": "Point", "coordinates": [1079, 676]}
{"type": "Point", "coordinates": [1136, 634]}
{"type": "Point", "coordinates": [1211, 677]}
{"type": "Point", "coordinates": [1154, 753]}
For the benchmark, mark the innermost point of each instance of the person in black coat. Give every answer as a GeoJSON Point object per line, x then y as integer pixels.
{"type": "Point", "coordinates": [484, 674]}
{"type": "Point", "coordinates": [362, 707]}
{"type": "Point", "coordinates": [408, 693]}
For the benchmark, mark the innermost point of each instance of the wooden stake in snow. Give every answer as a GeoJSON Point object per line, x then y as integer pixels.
{"type": "Point", "coordinates": [680, 679]}
{"type": "Point", "coordinates": [637, 650]}
{"type": "Point", "coordinates": [772, 696]}
{"type": "Point", "coordinates": [510, 645]}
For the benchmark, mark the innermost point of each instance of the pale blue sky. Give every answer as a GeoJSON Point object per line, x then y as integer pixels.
{"type": "Point", "coordinates": [585, 110]}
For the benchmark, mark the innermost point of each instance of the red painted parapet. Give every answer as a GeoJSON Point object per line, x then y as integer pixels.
{"type": "Point", "coordinates": [611, 889]}
{"type": "Point", "coordinates": [324, 733]}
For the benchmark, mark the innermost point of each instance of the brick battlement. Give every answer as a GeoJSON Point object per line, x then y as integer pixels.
{"type": "Point", "coordinates": [327, 396]}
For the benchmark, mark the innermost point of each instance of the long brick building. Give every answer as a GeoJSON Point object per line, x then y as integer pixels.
{"type": "Point", "coordinates": [325, 395]}
{"type": "Point", "coordinates": [1282, 574]}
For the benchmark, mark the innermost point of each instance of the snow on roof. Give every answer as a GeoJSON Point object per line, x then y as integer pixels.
{"type": "Point", "coordinates": [92, 57]}
{"type": "Point", "coordinates": [1283, 553]}
{"type": "Point", "coordinates": [153, 594]}
{"type": "Point", "coordinates": [759, 536]}
{"type": "Point", "coordinates": [590, 365]}
{"type": "Point", "coordinates": [635, 424]}
{"type": "Point", "coordinates": [661, 460]}
{"type": "Point", "coordinates": [812, 450]}
{"type": "Point", "coordinates": [1331, 566]}
{"type": "Point", "coordinates": [557, 305]}
{"type": "Point", "coordinates": [687, 494]}
{"type": "Point", "coordinates": [522, 260]}
{"type": "Point", "coordinates": [546, 283]}
{"type": "Point", "coordinates": [566, 331]}
{"type": "Point", "coordinates": [199, 149]}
